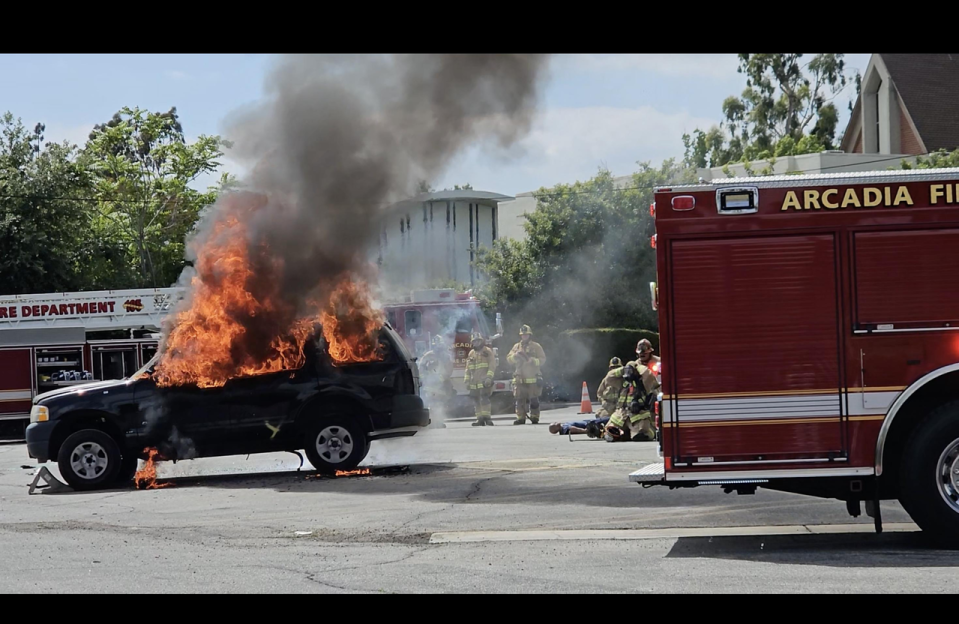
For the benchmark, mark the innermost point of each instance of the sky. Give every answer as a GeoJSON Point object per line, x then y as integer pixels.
{"type": "Point", "coordinates": [598, 110]}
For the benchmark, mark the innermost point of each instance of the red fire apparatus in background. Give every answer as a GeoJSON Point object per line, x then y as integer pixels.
{"type": "Point", "coordinates": [809, 339]}
{"type": "Point", "coordinates": [53, 340]}
{"type": "Point", "coordinates": [454, 316]}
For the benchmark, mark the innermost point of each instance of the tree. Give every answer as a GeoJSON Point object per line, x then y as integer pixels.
{"type": "Point", "coordinates": [785, 110]}
{"type": "Point", "coordinates": [465, 187]}
{"type": "Point", "coordinates": [935, 160]}
{"type": "Point", "coordinates": [143, 167]}
{"type": "Point", "coordinates": [587, 259]}
{"type": "Point", "coordinates": [40, 226]}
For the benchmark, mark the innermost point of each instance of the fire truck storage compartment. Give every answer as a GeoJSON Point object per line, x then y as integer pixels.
{"type": "Point", "coordinates": [756, 325]}
{"type": "Point", "coordinates": [115, 361]}
{"type": "Point", "coordinates": [907, 277]}
{"type": "Point", "coordinates": [16, 383]}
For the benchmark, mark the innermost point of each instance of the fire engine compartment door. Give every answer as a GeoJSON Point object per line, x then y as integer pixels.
{"type": "Point", "coordinates": [757, 350]}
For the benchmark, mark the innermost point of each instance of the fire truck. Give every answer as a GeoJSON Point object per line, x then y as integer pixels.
{"type": "Point", "coordinates": [810, 339]}
{"type": "Point", "coordinates": [48, 341]}
{"type": "Point", "coordinates": [454, 316]}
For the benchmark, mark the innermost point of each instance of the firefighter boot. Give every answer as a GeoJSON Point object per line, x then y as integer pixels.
{"type": "Point", "coordinates": [534, 410]}
{"type": "Point", "coordinates": [479, 423]}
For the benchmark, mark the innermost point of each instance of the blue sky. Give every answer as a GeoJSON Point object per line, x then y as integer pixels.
{"type": "Point", "coordinates": [611, 110]}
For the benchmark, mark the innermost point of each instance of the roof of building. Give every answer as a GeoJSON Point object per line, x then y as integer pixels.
{"type": "Point", "coordinates": [928, 85]}
{"type": "Point", "coordinates": [456, 195]}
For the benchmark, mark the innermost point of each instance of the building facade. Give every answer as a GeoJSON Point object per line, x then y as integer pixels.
{"type": "Point", "coordinates": [434, 238]}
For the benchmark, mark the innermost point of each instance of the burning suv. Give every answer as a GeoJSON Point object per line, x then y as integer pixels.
{"type": "Point", "coordinates": [97, 432]}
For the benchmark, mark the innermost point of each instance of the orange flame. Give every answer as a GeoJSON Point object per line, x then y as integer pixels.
{"type": "Point", "coordinates": [348, 473]}
{"type": "Point", "coordinates": [147, 476]}
{"type": "Point", "coordinates": [209, 342]}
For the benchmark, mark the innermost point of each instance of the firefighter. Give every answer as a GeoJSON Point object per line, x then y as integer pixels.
{"type": "Point", "coordinates": [527, 358]}
{"type": "Point", "coordinates": [437, 367]}
{"type": "Point", "coordinates": [609, 389]}
{"type": "Point", "coordinates": [480, 368]}
{"type": "Point", "coordinates": [632, 419]}
{"type": "Point", "coordinates": [644, 351]}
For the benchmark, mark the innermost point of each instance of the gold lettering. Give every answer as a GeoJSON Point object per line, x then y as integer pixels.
{"type": "Point", "coordinates": [791, 201]}
{"type": "Point", "coordinates": [812, 199]}
{"type": "Point", "coordinates": [826, 202]}
{"type": "Point", "coordinates": [949, 196]}
{"type": "Point", "coordinates": [888, 196]}
{"type": "Point", "coordinates": [875, 193]}
{"type": "Point", "coordinates": [902, 195]}
{"type": "Point", "coordinates": [850, 199]}
{"type": "Point", "coordinates": [935, 192]}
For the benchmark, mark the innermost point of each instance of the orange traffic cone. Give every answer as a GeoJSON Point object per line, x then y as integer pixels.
{"type": "Point", "coordinates": [585, 407]}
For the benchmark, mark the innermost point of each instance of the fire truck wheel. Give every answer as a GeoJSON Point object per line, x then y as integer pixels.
{"type": "Point", "coordinates": [89, 460]}
{"type": "Point", "coordinates": [930, 475]}
{"type": "Point", "coordinates": [336, 443]}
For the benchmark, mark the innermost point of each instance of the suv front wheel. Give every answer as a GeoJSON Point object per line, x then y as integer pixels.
{"type": "Point", "coordinates": [336, 443]}
{"type": "Point", "coordinates": [89, 460]}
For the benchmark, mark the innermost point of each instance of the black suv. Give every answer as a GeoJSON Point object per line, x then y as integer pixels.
{"type": "Point", "coordinates": [96, 432]}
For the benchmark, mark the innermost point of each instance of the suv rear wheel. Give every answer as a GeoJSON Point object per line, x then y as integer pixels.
{"type": "Point", "coordinates": [89, 460]}
{"type": "Point", "coordinates": [336, 443]}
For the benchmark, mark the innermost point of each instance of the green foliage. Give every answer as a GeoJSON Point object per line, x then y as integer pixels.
{"type": "Point", "coordinates": [935, 160]}
{"type": "Point", "coordinates": [143, 167]}
{"type": "Point", "coordinates": [785, 110]}
{"type": "Point", "coordinates": [583, 354]}
{"type": "Point", "coordinates": [38, 229]}
{"type": "Point", "coordinates": [587, 258]}
{"type": "Point", "coordinates": [111, 215]}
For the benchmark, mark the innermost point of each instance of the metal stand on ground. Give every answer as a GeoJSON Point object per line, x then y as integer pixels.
{"type": "Point", "coordinates": [52, 485]}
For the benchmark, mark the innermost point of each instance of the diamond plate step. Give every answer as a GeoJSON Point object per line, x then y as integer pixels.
{"type": "Point", "coordinates": [648, 474]}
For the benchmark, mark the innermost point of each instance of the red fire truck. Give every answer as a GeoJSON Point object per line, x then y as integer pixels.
{"type": "Point", "coordinates": [454, 316]}
{"type": "Point", "coordinates": [60, 339]}
{"type": "Point", "coordinates": [809, 339]}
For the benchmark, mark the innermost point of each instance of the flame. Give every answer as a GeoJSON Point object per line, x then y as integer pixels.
{"type": "Point", "coordinates": [147, 476]}
{"type": "Point", "coordinates": [348, 473]}
{"type": "Point", "coordinates": [238, 324]}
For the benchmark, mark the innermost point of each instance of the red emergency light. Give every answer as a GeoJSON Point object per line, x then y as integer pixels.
{"type": "Point", "coordinates": [652, 241]}
{"type": "Point", "coordinates": [652, 210]}
{"type": "Point", "coordinates": [683, 203]}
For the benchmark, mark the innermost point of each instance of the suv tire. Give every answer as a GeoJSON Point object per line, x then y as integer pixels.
{"type": "Point", "coordinates": [336, 443]}
{"type": "Point", "coordinates": [89, 460]}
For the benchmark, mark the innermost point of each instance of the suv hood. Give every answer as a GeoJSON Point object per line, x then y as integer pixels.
{"type": "Point", "coordinates": [81, 389]}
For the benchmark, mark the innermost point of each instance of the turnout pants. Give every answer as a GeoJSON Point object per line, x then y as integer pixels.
{"type": "Point", "coordinates": [527, 402]}
{"type": "Point", "coordinates": [482, 407]}
{"type": "Point", "coordinates": [607, 409]}
{"type": "Point", "coordinates": [640, 426]}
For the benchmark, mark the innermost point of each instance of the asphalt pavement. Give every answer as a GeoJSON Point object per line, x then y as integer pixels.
{"type": "Point", "coordinates": [460, 509]}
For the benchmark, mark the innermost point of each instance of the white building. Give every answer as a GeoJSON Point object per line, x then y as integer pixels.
{"type": "Point", "coordinates": [434, 238]}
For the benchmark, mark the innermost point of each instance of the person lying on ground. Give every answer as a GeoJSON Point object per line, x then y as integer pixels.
{"type": "Point", "coordinates": [593, 428]}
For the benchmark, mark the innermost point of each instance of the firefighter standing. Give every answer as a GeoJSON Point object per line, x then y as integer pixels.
{"type": "Point", "coordinates": [437, 367]}
{"type": "Point", "coordinates": [527, 358]}
{"type": "Point", "coordinates": [609, 389]}
{"type": "Point", "coordinates": [480, 368]}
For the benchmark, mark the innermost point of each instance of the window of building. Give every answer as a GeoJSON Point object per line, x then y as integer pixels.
{"type": "Point", "coordinates": [414, 323]}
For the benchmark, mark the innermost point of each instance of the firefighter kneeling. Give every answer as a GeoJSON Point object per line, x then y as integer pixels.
{"type": "Point", "coordinates": [633, 419]}
{"type": "Point", "coordinates": [480, 368]}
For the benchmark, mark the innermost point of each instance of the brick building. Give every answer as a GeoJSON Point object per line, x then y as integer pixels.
{"type": "Point", "coordinates": [909, 104]}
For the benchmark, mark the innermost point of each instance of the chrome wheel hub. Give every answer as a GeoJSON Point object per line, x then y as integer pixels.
{"type": "Point", "coordinates": [947, 475]}
{"type": "Point", "coordinates": [334, 444]}
{"type": "Point", "coordinates": [89, 460]}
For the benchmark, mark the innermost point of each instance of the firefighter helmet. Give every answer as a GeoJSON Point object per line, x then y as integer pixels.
{"type": "Point", "coordinates": [525, 331]}
{"type": "Point", "coordinates": [643, 346]}
{"type": "Point", "coordinates": [615, 362]}
{"type": "Point", "coordinates": [437, 341]}
{"type": "Point", "coordinates": [477, 337]}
